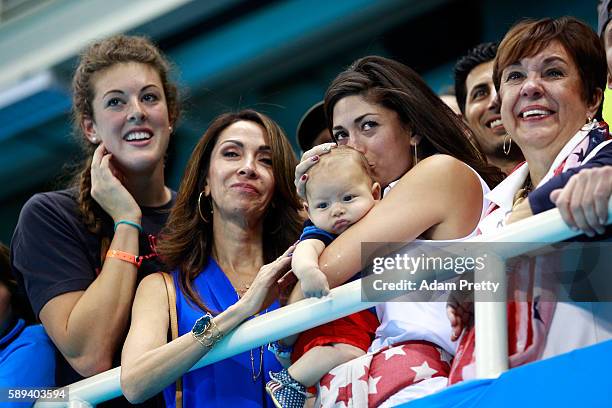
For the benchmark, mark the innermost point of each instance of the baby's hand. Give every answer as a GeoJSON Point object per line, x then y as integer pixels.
{"type": "Point", "coordinates": [314, 283]}
{"type": "Point", "coordinates": [460, 312]}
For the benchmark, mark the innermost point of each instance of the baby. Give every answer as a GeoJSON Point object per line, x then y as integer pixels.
{"type": "Point", "coordinates": [340, 191]}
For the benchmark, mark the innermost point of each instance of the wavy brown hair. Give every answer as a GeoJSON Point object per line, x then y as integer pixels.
{"type": "Point", "coordinates": [397, 87]}
{"type": "Point", "coordinates": [186, 242]}
{"type": "Point", "coordinates": [98, 57]}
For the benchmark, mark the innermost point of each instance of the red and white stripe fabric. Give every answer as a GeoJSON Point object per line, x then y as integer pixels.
{"type": "Point", "coordinates": [370, 380]}
{"type": "Point", "coordinates": [529, 317]}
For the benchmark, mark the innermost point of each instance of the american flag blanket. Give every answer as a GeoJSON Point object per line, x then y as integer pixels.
{"type": "Point", "coordinates": [370, 380]}
{"type": "Point", "coordinates": [530, 314]}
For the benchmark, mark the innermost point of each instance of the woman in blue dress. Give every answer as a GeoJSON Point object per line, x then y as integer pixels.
{"type": "Point", "coordinates": [228, 240]}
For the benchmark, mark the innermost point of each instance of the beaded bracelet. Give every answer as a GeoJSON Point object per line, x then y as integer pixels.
{"type": "Point", "coordinates": [132, 223]}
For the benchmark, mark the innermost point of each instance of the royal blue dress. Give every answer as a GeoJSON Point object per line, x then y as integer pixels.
{"type": "Point", "coordinates": [27, 359]}
{"type": "Point", "coordinates": [227, 383]}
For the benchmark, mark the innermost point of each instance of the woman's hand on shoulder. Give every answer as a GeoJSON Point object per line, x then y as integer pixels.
{"type": "Point", "coordinates": [264, 289]}
{"type": "Point", "coordinates": [309, 159]}
{"type": "Point", "coordinates": [108, 190]}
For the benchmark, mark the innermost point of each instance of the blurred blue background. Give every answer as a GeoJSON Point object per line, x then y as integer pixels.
{"type": "Point", "coordinates": [274, 56]}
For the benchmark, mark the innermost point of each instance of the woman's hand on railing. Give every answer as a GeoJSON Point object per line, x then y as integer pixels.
{"type": "Point", "coordinates": [520, 211]}
{"type": "Point", "coordinates": [583, 202]}
{"type": "Point", "coordinates": [264, 289]}
{"type": "Point", "coordinates": [309, 159]}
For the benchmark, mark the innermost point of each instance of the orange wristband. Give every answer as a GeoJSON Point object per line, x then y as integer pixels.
{"type": "Point", "coordinates": [124, 256]}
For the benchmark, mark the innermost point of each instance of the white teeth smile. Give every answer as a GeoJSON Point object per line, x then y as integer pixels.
{"type": "Point", "coordinates": [137, 136]}
{"type": "Point", "coordinates": [534, 112]}
{"type": "Point", "coordinates": [495, 123]}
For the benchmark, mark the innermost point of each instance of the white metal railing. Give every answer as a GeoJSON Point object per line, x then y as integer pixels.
{"type": "Point", "coordinates": [490, 317]}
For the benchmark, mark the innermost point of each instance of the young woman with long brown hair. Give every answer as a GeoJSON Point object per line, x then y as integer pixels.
{"type": "Point", "coordinates": [81, 251]}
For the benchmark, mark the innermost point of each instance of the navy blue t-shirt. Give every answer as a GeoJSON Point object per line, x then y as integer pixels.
{"type": "Point", "coordinates": [539, 199]}
{"type": "Point", "coordinates": [53, 253]}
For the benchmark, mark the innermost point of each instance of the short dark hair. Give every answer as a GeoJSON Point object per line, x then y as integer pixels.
{"type": "Point", "coordinates": [480, 54]}
{"type": "Point", "coordinates": [529, 37]}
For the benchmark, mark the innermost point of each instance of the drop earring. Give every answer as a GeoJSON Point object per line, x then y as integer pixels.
{"type": "Point", "coordinates": [508, 142]}
{"type": "Point", "coordinates": [200, 207]}
{"type": "Point", "coordinates": [587, 123]}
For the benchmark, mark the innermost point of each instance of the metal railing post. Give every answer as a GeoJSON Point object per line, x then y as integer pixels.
{"type": "Point", "coordinates": [491, 322]}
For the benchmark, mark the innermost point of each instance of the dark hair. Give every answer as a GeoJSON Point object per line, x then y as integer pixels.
{"type": "Point", "coordinates": [397, 87]}
{"type": "Point", "coordinates": [312, 123]}
{"type": "Point", "coordinates": [480, 54]}
{"type": "Point", "coordinates": [529, 37]}
{"type": "Point", "coordinates": [98, 57]}
{"type": "Point", "coordinates": [186, 242]}
{"type": "Point", "coordinates": [5, 267]}
{"type": "Point", "coordinates": [604, 15]}
{"type": "Point", "coordinates": [19, 303]}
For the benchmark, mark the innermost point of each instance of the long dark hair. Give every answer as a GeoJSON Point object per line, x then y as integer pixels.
{"type": "Point", "coordinates": [397, 87]}
{"type": "Point", "coordinates": [186, 242]}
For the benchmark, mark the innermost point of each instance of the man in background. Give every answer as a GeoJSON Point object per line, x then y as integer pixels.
{"type": "Point", "coordinates": [478, 102]}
